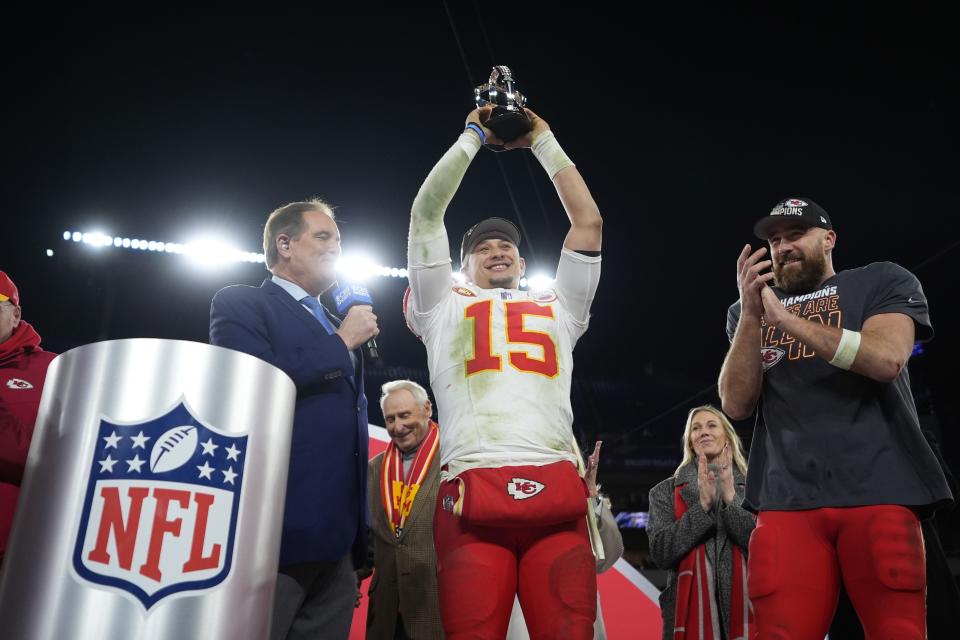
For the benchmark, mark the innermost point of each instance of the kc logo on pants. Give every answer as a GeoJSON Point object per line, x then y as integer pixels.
{"type": "Point", "coordinates": [521, 488]}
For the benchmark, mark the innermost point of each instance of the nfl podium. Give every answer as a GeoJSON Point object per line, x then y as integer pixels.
{"type": "Point", "coordinates": [153, 496]}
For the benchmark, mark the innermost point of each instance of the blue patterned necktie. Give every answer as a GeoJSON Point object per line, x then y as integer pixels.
{"type": "Point", "coordinates": [314, 305]}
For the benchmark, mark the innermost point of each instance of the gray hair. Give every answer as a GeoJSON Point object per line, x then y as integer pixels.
{"type": "Point", "coordinates": [288, 220]}
{"type": "Point", "coordinates": [419, 393]}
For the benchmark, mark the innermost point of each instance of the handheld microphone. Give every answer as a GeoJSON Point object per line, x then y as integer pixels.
{"type": "Point", "coordinates": [354, 295]}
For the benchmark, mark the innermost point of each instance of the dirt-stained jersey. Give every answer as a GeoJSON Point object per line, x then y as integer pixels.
{"type": "Point", "coordinates": [500, 359]}
{"type": "Point", "coordinates": [500, 365]}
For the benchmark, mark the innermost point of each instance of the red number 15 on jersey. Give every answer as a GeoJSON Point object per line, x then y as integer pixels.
{"type": "Point", "coordinates": [484, 359]}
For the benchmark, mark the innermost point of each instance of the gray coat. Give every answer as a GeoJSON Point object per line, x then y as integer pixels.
{"type": "Point", "coordinates": [671, 540]}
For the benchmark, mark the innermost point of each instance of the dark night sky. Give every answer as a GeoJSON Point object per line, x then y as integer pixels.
{"type": "Point", "coordinates": [687, 123]}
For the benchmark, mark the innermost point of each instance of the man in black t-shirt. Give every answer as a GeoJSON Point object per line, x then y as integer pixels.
{"type": "Point", "coordinates": [839, 469]}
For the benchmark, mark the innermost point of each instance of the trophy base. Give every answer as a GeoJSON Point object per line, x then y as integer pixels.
{"type": "Point", "coordinates": [508, 124]}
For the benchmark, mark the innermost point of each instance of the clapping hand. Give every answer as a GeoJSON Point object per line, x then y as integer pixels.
{"type": "Point", "coordinates": [727, 490]}
{"type": "Point", "coordinates": [706, 483]}
{"type": "Point", "coordinates": [593, 463]}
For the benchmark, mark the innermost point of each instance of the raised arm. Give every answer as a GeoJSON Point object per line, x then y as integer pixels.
{"type": "Point", "coordinates": [586, 225]}
{"type": "Point", "coordinates": [578, 273]}
{"type": "Point", "coordinates": [742, 374]}
{"type": "Point", "coordinates": [428, 249]}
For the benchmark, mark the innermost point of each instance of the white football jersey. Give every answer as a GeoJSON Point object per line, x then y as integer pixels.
{"type": "Point", "coordinates": [500, 365]}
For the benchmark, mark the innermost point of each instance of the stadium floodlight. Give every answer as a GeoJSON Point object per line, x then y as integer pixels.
{"type": "Point", "coordinates": [211, 251]}
{"type": "Point", "coordinates": [96, 239]}
{"type": "Point", "coordinates": [207, 252]}
{"type": "Point", "coordinates": [539, 282]}
{"type": "Point", "coordinates": [357, 267]}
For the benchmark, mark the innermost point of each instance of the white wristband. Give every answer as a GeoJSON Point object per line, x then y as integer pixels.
{"type": "Point", "coordinates": [547, 150]}
{"type": "Point", "coordinates": [847, 349]}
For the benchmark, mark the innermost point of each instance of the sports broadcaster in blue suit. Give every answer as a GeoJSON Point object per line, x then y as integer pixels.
{"type": "Point", "coordinates": [282, 322]}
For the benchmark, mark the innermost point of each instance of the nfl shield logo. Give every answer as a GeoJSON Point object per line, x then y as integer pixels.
{"type": "Point", "coordinates": [160, 510]}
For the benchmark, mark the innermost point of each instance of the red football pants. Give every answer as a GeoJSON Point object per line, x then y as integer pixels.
{"type": "Point", "coordinates": [552, 570]}
{"type": "Point", "coordinates": [797, 559]}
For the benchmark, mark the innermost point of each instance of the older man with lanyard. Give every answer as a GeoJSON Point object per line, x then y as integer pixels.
{"type": "Point", "coordinates": [403, 483]}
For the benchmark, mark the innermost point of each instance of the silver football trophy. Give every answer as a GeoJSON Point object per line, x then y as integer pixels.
{"type": "Point", "coordinates": [508, 120]}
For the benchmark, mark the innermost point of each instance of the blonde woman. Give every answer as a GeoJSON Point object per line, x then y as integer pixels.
{"type": "Point", "coordinates": [699, 531]}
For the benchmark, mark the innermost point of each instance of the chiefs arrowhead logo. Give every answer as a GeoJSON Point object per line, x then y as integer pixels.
{"type": "Point", "coordinates": [17, 383]}
{"type": "Point", "coordinates": [463, 291]}
{"type": "Point", "coordinates": [521, 488]}
{"type": "Point", "coordinates": [770, 356]}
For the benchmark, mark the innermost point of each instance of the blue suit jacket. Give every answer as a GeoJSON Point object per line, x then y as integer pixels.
{"type": "Point", "coordinates": [325, 515]}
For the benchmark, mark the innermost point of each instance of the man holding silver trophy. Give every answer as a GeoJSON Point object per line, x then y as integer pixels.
{"type": "Point", "coordinates": [512, 513]}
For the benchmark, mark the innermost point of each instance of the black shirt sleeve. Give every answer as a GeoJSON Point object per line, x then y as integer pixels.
{"type": "Point", "coordinates": [733, 319]}
{"type": "Point", "coordinates": [898, 291]}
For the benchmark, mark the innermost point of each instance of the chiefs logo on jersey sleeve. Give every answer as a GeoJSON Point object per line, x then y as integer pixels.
{"type": "Point", "coordinates": [544, 295]}
{"type": "Point", "coordinates": [463, 291]}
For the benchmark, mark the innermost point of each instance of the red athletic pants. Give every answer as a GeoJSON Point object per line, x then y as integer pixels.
{"type": "Point", "coordinates": [797, 559]}
{"type": "Point", "coordinates": [552, 569]}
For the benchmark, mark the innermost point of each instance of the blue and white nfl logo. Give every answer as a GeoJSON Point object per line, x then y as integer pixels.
{"type": "Point", "coordinates": [160, 508]}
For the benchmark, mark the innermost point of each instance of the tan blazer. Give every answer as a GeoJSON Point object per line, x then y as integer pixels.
{"type": "Point", "coordinates": [405, 569]}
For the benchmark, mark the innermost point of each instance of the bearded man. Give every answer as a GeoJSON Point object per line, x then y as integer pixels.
{"type": "Point", "coordinates": [839, 470]}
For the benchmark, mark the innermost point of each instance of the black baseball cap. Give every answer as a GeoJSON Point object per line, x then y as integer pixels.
{"type": "Point", "coordinates": [487, 229]}
{"type": "Point", "coordinates": [802, 210]}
